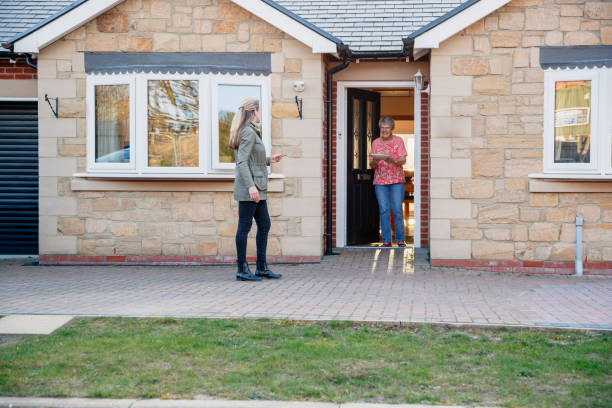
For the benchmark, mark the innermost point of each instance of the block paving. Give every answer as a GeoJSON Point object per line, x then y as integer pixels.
{"type": "Point", "coordinates": [358, 285]}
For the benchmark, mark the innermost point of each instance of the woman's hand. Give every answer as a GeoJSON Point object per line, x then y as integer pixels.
{"type": "Point", "coordinates": [254, 193]}
{"type": "Point", "coordinates": [276, 158]}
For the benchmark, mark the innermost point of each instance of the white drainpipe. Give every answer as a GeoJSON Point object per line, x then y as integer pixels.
{"type": "Point", "coordinates": [578, 260]}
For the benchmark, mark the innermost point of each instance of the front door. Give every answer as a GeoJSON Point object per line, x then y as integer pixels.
{"type": "Point", "coordinates": [363, 220]}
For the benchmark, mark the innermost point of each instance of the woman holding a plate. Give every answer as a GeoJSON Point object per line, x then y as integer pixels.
{"type": "Point", "coordinates": [387, 157]}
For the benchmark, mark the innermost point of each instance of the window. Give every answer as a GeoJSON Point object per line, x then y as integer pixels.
{"type": "Point", "coordinates": [171, 125]}
{"type": "Point", "coordinates": [577, 121]}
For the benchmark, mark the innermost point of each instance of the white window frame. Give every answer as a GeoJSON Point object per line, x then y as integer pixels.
{"type": "Point", "coordinates": [91, 83]}
{"type": "Point", "coordinates": [266, 122]}
{"type": "Point", "coordinates": [600, 145]}
{"type": "Point", "coordinates": [142, 121]}
{"type": "Point", "coordinates": [208, 146]}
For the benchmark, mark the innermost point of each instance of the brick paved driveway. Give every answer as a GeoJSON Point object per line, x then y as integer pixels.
{"type": "Point", "coordinates": [365, 285]}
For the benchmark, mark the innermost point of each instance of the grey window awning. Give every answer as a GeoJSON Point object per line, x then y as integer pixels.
{"type": "Point", "coordinates": [257, 63]}
{"type": "Point", "coordinates": [583, 56]}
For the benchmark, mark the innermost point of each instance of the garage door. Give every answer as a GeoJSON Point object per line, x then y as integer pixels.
{"type": "Point", "coordinates": [18, 178]}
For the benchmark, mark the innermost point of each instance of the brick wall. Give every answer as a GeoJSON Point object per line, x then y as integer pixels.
{"type": "Point", "coordinates": [147, 222]}
{"type": "Point", "coordinates": [16, 70]}
{"type": "Point", "coordinates": [425, 169]}
{"type": "Point", "coordinates": [486, 129]}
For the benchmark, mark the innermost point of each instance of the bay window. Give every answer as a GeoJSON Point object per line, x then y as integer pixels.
{"type": "Point", "coordinates": [144, 124]}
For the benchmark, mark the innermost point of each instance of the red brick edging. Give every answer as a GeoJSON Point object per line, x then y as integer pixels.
{"type": "Point", "coordinates": [537, 267]}
{"type": "Point", "coordinates": [161, 260]}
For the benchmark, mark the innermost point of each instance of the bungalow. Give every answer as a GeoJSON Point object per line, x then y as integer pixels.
{"type": "Point", "coordinates": [504, 107]}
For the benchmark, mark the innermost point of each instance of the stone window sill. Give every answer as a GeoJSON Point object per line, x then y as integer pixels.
{"type": "Point", "coordinates": [156, 182]}
{"type": "Point", "coordinates": [570, 183]}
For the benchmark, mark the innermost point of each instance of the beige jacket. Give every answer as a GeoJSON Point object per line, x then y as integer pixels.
{"type": "Point", "coordinates": [251, 165]}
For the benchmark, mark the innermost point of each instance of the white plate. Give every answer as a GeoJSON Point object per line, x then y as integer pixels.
{"type": "Point", "coordinates": [378, 156]}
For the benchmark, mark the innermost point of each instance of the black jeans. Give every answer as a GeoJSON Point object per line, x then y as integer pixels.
{"type": "Point", "coordinates": [247, 210]}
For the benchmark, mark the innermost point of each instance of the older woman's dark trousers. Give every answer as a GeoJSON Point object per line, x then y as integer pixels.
{"type": "Point", "coordinates": [247, 210]}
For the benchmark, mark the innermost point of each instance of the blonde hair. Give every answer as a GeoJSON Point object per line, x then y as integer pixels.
{"type": "Point", "coordinates": [241, 119]}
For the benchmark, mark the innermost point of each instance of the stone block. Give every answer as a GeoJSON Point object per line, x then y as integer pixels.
{"type": "Point", "coordinates": [487, 109]}
{"type": "Point", "coordinates": [151, 246]}
{"type": "Point", "coordinates": [598, 233]}
{"type": "Point", "coordinates": [569, 24]}
{"type": "Point", "coordinates": [598, 10]}
{"type": "Point", "coordinates": [213, 43]}
{"type": "Point", "coordinates": [606, 35]}
{"type": "Point", "coordinates": [224, 27]}
{"type": "Point", "coordinates": [530, 214]}
{"type": "Point", "coordinates": [498, 214]}
{"type": "Point", "coordinates": [589, 25]}
{"type": "Point", "coordinates": [441, 167]}
{"type": "Point", "coordinates": [440, 65]}
{"type": "Point", "coordinates": [543, 199]}
{"type": "Point", "coordinates": [439, 229]}
{"type": "Point", "coordinates": [487, 163]}
{"type": "Point", "coordinates": [297, 207]}
{"type": "Point", "coordinates": [465, 109]}
{"type": "Point", "coordinates": [301, 246]}
{"type": "Point", "coordinates": [440, 105]}
{"type": "Point", "coordinates": [72, 150]}
{"type": "Point", "coordinates": [469, 66]}
{"type": "Point", "coordinates": [440, 188]}
{"type": "Point", "coordinates": [284, 110]}
{"type": "Point", "coordinates": [569, 10]}
{"type": "Point", "coordinates": [492, 85]}
{"type": "Point", "coordinates": [443, 127]}
{"type": "Point", "coordinates": [482, 46]}
{"type": "Point", "coordinates": [441, 148]}
{"type": "Point", "coordinates": [541, 19]}
{"type": "Point", "coordinates": [492, 250]}
{"type": "Point", "coordinates": [203, 27]}
{"type": "Point", "coordinates": [522, 167]}
{"type": "Point", "coordinates": [71, 226]}
{"type": "Point", "coordinates": [150, 25]}
{"type": "Point", "coordinates": [511, 21]}
{"type": "Point", "coordinates": [181, 20]}
{"type": "Point", "coordinates": [272, 45]}
{"type": "Point", "coordinates": [450, 249]}
{"type": "Point", "coordinates": [191, 43]}
{"type": "Point", "coordinates": [101, 42]}
{"type": "Point", "coordinates": [476, 28]}
{"type": "Point", "coordinates": [465, 233]}
{"type": "Point", "coordinates": [505, 39]}
{"type": "Point", "coordinates": [543, 231]}
{"type": "Point", "coordinates": [113, 23]}
{"type": "Point", "coordinates": [472, 188]}
{"type": "Point", "coordinates": [497, 234]}
{"type": "Point", "coordinates": [563, 252]}
{"type": "Point", "coordinates": [580, 38]}
{"type": "Point", "coordinates": [519, 233]}
{"type": "Point", "coordinates": [511, 196]}
{"type": "Point", "coordinates": [590, 213]}
{"type": "Point", "coordinates": [191, 212]}
{"type": "Point", "coordinates": [124, 229]}
{"type": "Point", "coordinates": [560, 214]}
{"type": "Point", "coordinates": [531, 41]}
{"type": "Point", "coordinates": [54, 244]}
{"type": "Point", "coordinates": [520, 58]}
{"type": "Point", "coordinates": [497, 125]}
{"type": "Point", "coordinates": [160, 9]}
{"type": "Point", "coordinates": [455, 45]}
{"type": "Point", "coordinates": [450, 208]}
{"type": "Point", "coordinates": [167, 42]}
{"type": "Point", "coordinates": [451, 85]}
{"type": "Point", "coordinates": [233, 12]}
{"type": "Point", "coordinates": [133, 44]}
{"type": "Point", "coordinates": [293, 65]}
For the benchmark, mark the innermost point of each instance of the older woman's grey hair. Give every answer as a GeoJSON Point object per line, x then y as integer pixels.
{"type": "Point", "coordinates": [387, 121]}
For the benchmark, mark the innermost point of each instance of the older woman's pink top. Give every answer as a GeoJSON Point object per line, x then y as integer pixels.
{"type": "Point", "coordinates": [387, 172]}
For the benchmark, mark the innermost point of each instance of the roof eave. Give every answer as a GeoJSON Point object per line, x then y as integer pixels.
{"type": "Point", "coordinates": [456, 20]}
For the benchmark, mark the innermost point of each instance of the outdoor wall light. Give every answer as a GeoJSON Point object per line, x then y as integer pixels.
{"type": "Point", "coordinates": [298, 86]}
{"type": "Point", "coordinates": [418, 80]}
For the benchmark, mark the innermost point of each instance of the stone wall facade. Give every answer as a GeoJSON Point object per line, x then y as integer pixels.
{"type": "Point", "coordinates": [150, 224]}
{"type": "Point", "coordinates": [487, 92]}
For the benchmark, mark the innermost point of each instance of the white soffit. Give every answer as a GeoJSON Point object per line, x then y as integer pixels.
{"type": "Point", "coordinates": [300, 32]}
{"type": "Point", "coordinates": [465, 18]}
{"type": "Point", "coordinates": [56, 29]}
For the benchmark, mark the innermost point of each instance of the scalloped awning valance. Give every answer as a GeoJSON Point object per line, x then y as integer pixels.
{"type": "Point", "coordinates": [581, 56]}
{"type": "Point", "coordinates": [250, 63]}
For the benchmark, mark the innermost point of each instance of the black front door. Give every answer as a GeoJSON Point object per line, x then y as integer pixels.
{"type": "Point", "coordinates": [363, 221]}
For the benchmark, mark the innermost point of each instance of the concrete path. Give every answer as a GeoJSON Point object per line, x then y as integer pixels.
{"type": "Point", "coordinates": [358, 285]}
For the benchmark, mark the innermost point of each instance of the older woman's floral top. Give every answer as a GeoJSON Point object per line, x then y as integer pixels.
{"type": "Point", "coordinates": [387, 172]}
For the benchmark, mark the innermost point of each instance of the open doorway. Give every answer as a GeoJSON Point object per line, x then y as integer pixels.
{"type": "Point", "coordinates": [364, 105]}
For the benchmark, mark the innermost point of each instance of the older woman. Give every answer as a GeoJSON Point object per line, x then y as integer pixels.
{"type": "Point", "coordinates": [387, 157]}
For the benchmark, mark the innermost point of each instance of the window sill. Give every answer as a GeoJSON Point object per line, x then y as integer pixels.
{"type": "Point", "coordinates": [158, 182]}
{"type": "Point", "coordinates": [570, 183]}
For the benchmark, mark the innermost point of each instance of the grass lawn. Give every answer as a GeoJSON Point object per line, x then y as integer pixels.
{"type": "Point", "coordinates": [329, 361]}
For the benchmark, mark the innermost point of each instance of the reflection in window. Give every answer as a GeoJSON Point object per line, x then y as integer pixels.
{"type": "Point", "coordinates": [572, 122]}
{"type": "Point", "coordinates": [230, 99]}
{"type": "Point", "coordinates": [173, 123]}
{"type": "Point", "coordinates": [112, 123]}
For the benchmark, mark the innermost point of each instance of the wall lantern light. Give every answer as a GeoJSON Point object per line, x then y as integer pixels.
{"type": "Point", "coordinates": [418, 80]}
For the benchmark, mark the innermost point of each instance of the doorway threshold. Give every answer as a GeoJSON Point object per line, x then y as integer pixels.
{"type": "Point", "coordinates": [352, 247]}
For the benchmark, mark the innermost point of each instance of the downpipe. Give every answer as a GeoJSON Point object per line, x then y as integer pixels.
{"type": "Point", "coordinates": [578, 260]}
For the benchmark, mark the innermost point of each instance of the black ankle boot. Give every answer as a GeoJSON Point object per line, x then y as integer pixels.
{"type": "Point", "coordinates": [263, 271]}
{"type": "Point", "coordinates": [245, 274]}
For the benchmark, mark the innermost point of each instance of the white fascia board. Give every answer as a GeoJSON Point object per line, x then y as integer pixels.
{"type": "Point", "coordinates": [300, 32]}
{"type": "Point", "coordinates": [75, 18]}
{"type": "Point", "coordinates": [460, 21]}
